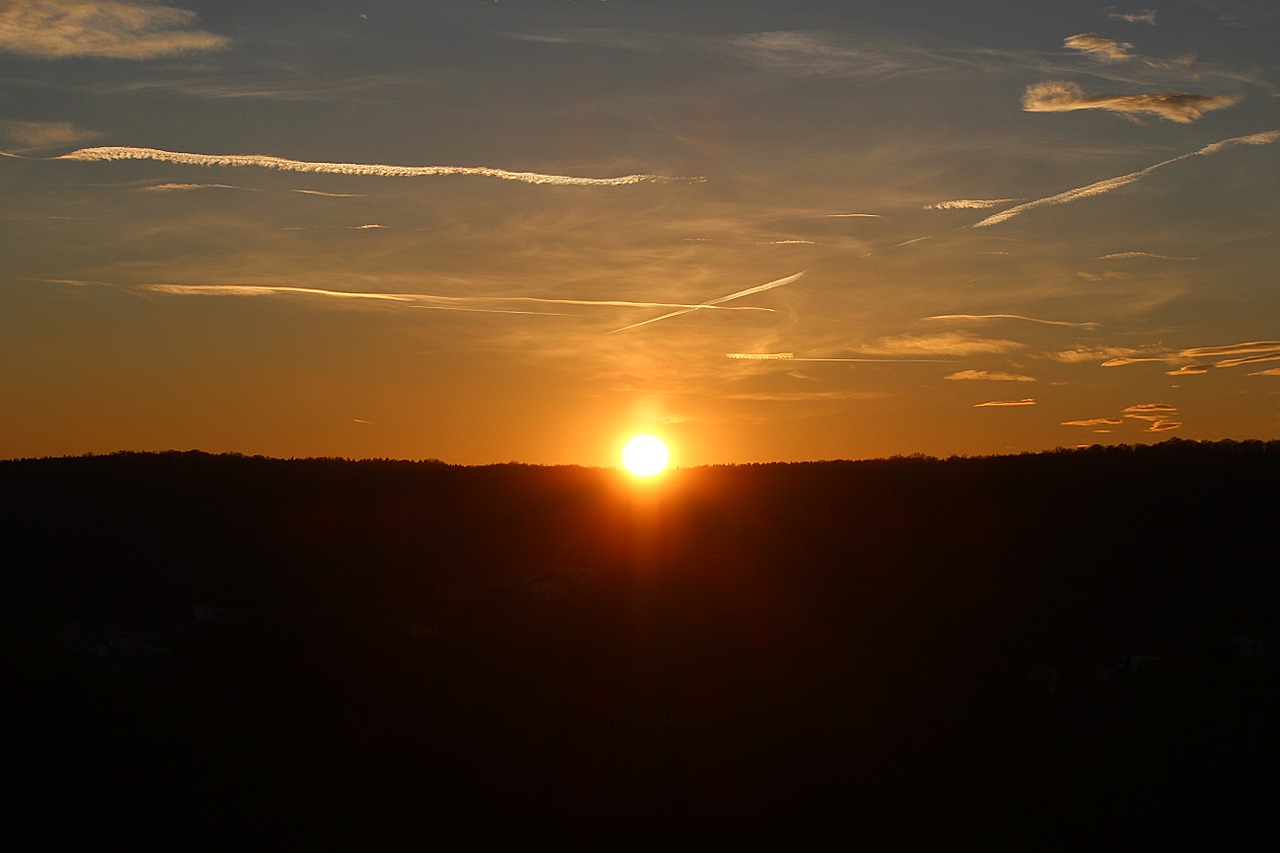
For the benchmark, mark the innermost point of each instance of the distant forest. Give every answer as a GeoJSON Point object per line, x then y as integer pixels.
{"type": "Point", "coordinates": [998, 649]}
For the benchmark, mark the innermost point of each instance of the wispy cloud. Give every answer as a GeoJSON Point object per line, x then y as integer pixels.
{"type": "Point", "coordinates": [328, 195]}
{"type": "Point", "coordinates": [1057, 96]}
{"type": "Point", "coordinates": [968, 203]}
{"type": "Point", "coordinates": [270, 290]}
{"type": "Point", "coordinates": [988, 376]}
{"type": "Point", "coordinates": [111, 29]}
{"type": "Point", "coordinates": [474, 303]}
{"type": "Point", "coordinates": [1155, 415]}
{"type": "Point", "coordinates": [366, 169]}
{"type": "Point", "coordinates": [788, 356]}
{"type": "Point", "coordinates": [1098, 354]}
{"type": "Point", "coordinates": [174, 188]}
{"type": "Point", "coordinates": [1084, 325]}
{"type": "Point", "coordinates": [1114, 256]}
{"type": "Point", "coordinates": [1092, 422]}
{"type": "Point", "coordinates": [800, 396]}
{"type": "Point", "coordinates": [1124, 360]}
{"type": "Point", "coordinates": [1247, 359]}
{"type": "Point", "coordinates": [1232, 349]}
{"type": "Point", "coordinates": [1004, 403]}
{"type": "Point", "coordinates": [1109, 184]}
{"type": "Point", "coordinates": [815, 54]}
{"type": "Point", "coordinates": [1109, 274]}
{"type": "Point", "coordinates": [1139, 16]}
{"type": "Point", "coordinates": [1188, 370]}
{"type": "Point", "coordinates": [1108, 50]}
{"type": "Point", "coordinates": [1239, 12]}
{"type": "Point", "coordinates": [760, 288]}
{"type": "Point", "coordinates": [854, 215]}
{"type": "Point", "coordinates": [1148, 411]}
{"type": "Point", "coordinates": [38, 135]}
{"type": "Point", "coordinates": [1275, 371]}
{"type": "Point", "coordinates": [947, 343]}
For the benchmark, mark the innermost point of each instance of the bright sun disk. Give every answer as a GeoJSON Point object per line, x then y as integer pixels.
{"type": "Point", "coordinates": [645, 456]}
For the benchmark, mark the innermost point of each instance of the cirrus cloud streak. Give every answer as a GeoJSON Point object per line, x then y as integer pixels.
{"type": "Point", "coordinates": [262, 161]}
{"type": "Point", "coordinates": [1109, 184]}
{"type": "Point", "coordinates": [992, 404]}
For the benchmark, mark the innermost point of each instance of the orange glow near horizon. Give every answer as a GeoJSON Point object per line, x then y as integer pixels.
{"type": "Point", "coordinates": [645, 456]}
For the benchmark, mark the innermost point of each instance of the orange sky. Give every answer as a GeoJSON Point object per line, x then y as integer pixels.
{"type": "Point", "coordinates": [495, 232]}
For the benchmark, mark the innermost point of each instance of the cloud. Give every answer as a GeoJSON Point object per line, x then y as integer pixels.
{"type": "Point", "coordinates": [1109, 184]}
{"type": "Point", "coordinates": [172, 188]}
{"type": "Point", "coordinates": [854, 215]}
{"type": "Point", "coordinates": [788, 356]}
{"type": "Point", "coordinates": [1093, 189]}
{"type": "Point", "coordinates": [1087, 325]}
{"type": "Point", "coordinates": [760, 288]}
{"type": "Point", "coordinates": [366, 169]}
{"type": "Point", "coordinates": [1155, 414]}
{"type": "Point", "coordinates": [1265, 138]}
{"type": "Point", "coordinates": [328, 195]}
{"type": "Point", "coordinates": [456, 303]}
{"type": "Point", "coordinates": [1140, 16]}
{"type": "Point", "coordinates": [1108, 50]}
{"type": "Point", "coordinates": [37, 135]}
{"type": "Point", "coordinates": [1247, 359]}
{"type": "Point", "coordinates": [1004, 403]}
{"type": "Point", "coordinates": [109, 29]}
{"type": "Point", "coordinates": [1058, 96]}
{"type": "Point", "coordinates": [1078, 356]}
{"type": "Point", "coordinates": [800, 396]}
{"type": "Point", "coordinates": [1150, 410]}
{"type": "Point", "coordinates": [814, 55]}
{"type": "Point", "coordinates": [968, 203]}
{"type": "Point", "coordinates": [1239, 12]}
{"type": "Point", "coordinates": [1124, 255]}
{"type": "Point", "coordinates": [269, 290]}
{"type": "Point", "coordinates": [989, 376]}
{"type": "Point", "coordinates": [948, 343]}
{"type": "Point", "coordinates": [1188, 370]}
{"type": "Point", "coordinates": [1124, 360]}
{"type": "Point", "coordinates": [1231, 349]}
{"type": "Point", "coordinates": [1089, 422]}
{"type": "Point", "coordinates": [1275, 371]}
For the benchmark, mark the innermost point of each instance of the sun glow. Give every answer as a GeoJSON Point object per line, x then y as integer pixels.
{"type": "Point", "coordinates": [645, 456]}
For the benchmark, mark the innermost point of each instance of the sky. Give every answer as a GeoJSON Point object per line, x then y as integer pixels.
{"type": "Point", "coordinates": [523, 230]}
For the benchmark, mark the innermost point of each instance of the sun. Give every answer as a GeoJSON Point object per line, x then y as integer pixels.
{"type": "Point", "coordinates": [645, 456]}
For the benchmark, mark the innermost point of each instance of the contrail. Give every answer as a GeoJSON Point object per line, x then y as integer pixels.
{"type": "Point", "coordinates": [368, 169]}
{"type": "Point", "coordinates": [741, 293]}
{"type": "Point", "coordinates": [1106, 186]}
{"type": "Point", "coordinates": [1084, 325]}
{"type": "Point", "coordinates": [433, 300]}
{"type": "Point", "coordinates": [787, 356]}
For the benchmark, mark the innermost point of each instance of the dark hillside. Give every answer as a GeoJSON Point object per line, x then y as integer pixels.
{"type": "Point", "coordinates": [1016, 650]}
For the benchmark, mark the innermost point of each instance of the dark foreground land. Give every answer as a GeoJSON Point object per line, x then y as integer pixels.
{"type": "Point", "coordinates": [1073, 650]}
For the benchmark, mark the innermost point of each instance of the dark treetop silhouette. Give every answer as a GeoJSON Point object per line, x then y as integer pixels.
{"type": "Point", "coordinates": [1011, 649]}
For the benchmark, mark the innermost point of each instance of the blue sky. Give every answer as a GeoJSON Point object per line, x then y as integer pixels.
{"type": "Point", "coordinates": [487, 231]}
